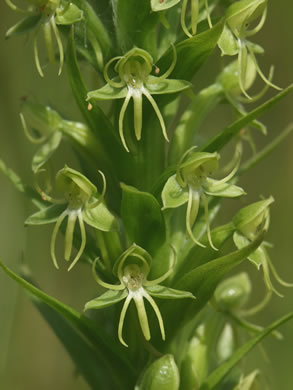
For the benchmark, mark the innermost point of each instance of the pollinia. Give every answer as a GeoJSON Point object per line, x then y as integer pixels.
{"type": "Point", "coordinates": [140, 207]}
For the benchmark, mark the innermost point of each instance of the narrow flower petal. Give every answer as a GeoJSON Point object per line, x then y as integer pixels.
{"type": "Point", "coordinates": [157, 311]}
{"type": "Point", "coordinates": [72, 216]}
{"type": "Point", "coordinates": [83, 241]}
{"type": "Point", "coordinates": [191, 213]}
{"type": "Point", "coordinates": [121, 117]}
{"type": "Point", "coordinates": [54, 235]}
{"type": "Point", "coordinates": [122, 317]}
{"type": "Point", "coordinates": [142, 315]}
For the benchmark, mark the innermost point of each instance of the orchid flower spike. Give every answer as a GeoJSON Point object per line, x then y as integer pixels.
{"type": "Point", "coordinates": [134, 80]}
{"type": "Point", "coordinates": [192, 183]}
{"type": "Point", "coordinates": [81, 202]}
{"type": "Point", "coordinates": [249, 222]}
{"type": "Point", "coordinates": [45, 15]}
{"type": "Point", "coordinates": [233, 40]}
{"type": "Point", "coordinates": [195, 8]}
{"type": "Point", "coordinates": [132, 269]}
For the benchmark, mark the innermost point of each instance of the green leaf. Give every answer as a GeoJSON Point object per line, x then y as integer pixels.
{"type": "Point", "coordinates": [168, 293]}
{"type": "Point", "coordinates": [192, 53]}
{"type": "Point", "coordinates": [46, 215]}
{"type": "Point", "coordinates": [111, 358]}
{"type": "Point", "coordinates": [166, 86]}
{"type": "Point", "coordinates": [46, 151]}
{"type": "Point", "coordinates": [142, 218]}
{"type": "Point", "coordinates": [220, 373]}
{"type": "Point", "coordinates": [135, 24]}
{"type": "Point", "coordinates": [70, 14]}
{"type": "Point", "coordinates": [25, 25]}
{"type": "Point", "coordinates": [107, 92]}
{"type": "Point", "coordinates": [173, 195]}
{"type": "Point", "coordinates": [222, 138]}
{"type": "Point", "coordinates": [100, 218]}
{"type": "Point", "coordinates": [109, 298]}
{"type": "Point", "coordinates": [80, 350]}
{"type": "Point", "coordinates": [202, 282]}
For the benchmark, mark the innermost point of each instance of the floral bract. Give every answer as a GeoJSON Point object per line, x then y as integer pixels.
{"type": "Point", "coordinates": [135, 81]}
{"type": "Point", "coordinates": [191, 184]}
{"type": "Point", "coordinates": [82, 204]}
{"type": "Point", "coordinates": [45, 15]}
{"type": "Point", "coordinates": [132, 269]}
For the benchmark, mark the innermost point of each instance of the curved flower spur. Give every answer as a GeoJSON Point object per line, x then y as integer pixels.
{"type": "Point", "coordinates": [249, 221]}
{"type": "Point", "coordinates": [162, 5]}
{"type": "Point", "coordinates": [45, 15]}
{"type": "Point", "coordinates": [132, 269]}
{"type": "Point", "coordinates": [191, 184]}
{"type": "Point", "coordinates": [83, 203]}
{"type": "Point", "coordinates": [234, 41]}
{"type": "Point", "coordinates": [135, 81]}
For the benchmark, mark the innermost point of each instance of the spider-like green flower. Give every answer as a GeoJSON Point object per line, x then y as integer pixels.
{"type": "Point", "coordinates": [234, 41]}
{"type": "Point", "coordinates": [162, 5]}
{"type": "Point", "coordinates": [249, 221]}
{"type": "Point", "coordinates": [81, 202]}
{"type": "Point", "coordinates": [135, 81]}
{"type": "Point", "coordinates": [45, 15]}
{"type": "Point", "coordinates": [132, 269]}
{"type": "Point", "coordinates": [192, 183]}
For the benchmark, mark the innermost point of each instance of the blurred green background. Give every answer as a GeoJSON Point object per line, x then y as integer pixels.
{"type": "Point", "coordinates": [31, 357]}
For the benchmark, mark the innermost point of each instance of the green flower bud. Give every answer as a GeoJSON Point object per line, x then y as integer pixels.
{"type": "Point", "coordinates": [243, 12]}
{"type": "Point", "coordinates": [251, 219]}
{"type": "Point", "coordinates": [249, 382]}
{"type": "Point", "coordinates": [194, 368]}
{"type": "Point", "coordinates": [162, 374]}
{"type": "Point", "coordinates": [233, 293]}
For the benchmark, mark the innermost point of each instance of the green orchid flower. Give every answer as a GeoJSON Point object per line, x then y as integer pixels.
{"type": "Point", "coordinates": [234, 41]}
{"type": "Point", "coordinates": [249, 221]}
{"type": "Point", "coordinates": [45, 15]}
{"type": "Point", "coordinates": [45, 127]}
{"type": "Point", "coordinates": [132, 269]}
{"type": "Point", "coordinates": [192, 183]}
{"type": "Point", "coordinates": [162, 5]}
{"type": "Point", "coordinates": [81, 202]}
{"type": "Point", "coordinates": [135, 81]}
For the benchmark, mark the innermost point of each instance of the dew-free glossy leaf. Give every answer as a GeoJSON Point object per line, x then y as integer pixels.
{"type": "Point", "coordinates": [25, 25]}
{"type": "Point", "coordinates": [46, 150]}
{"type": "Point", "coordinates": [168, 293]}
{"type": "Point", "coordinates": [142, 218]}
{"type": "Point", "coordinates": [109, 298]}
{"type": "Point", "coordinates": [219, 373]}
